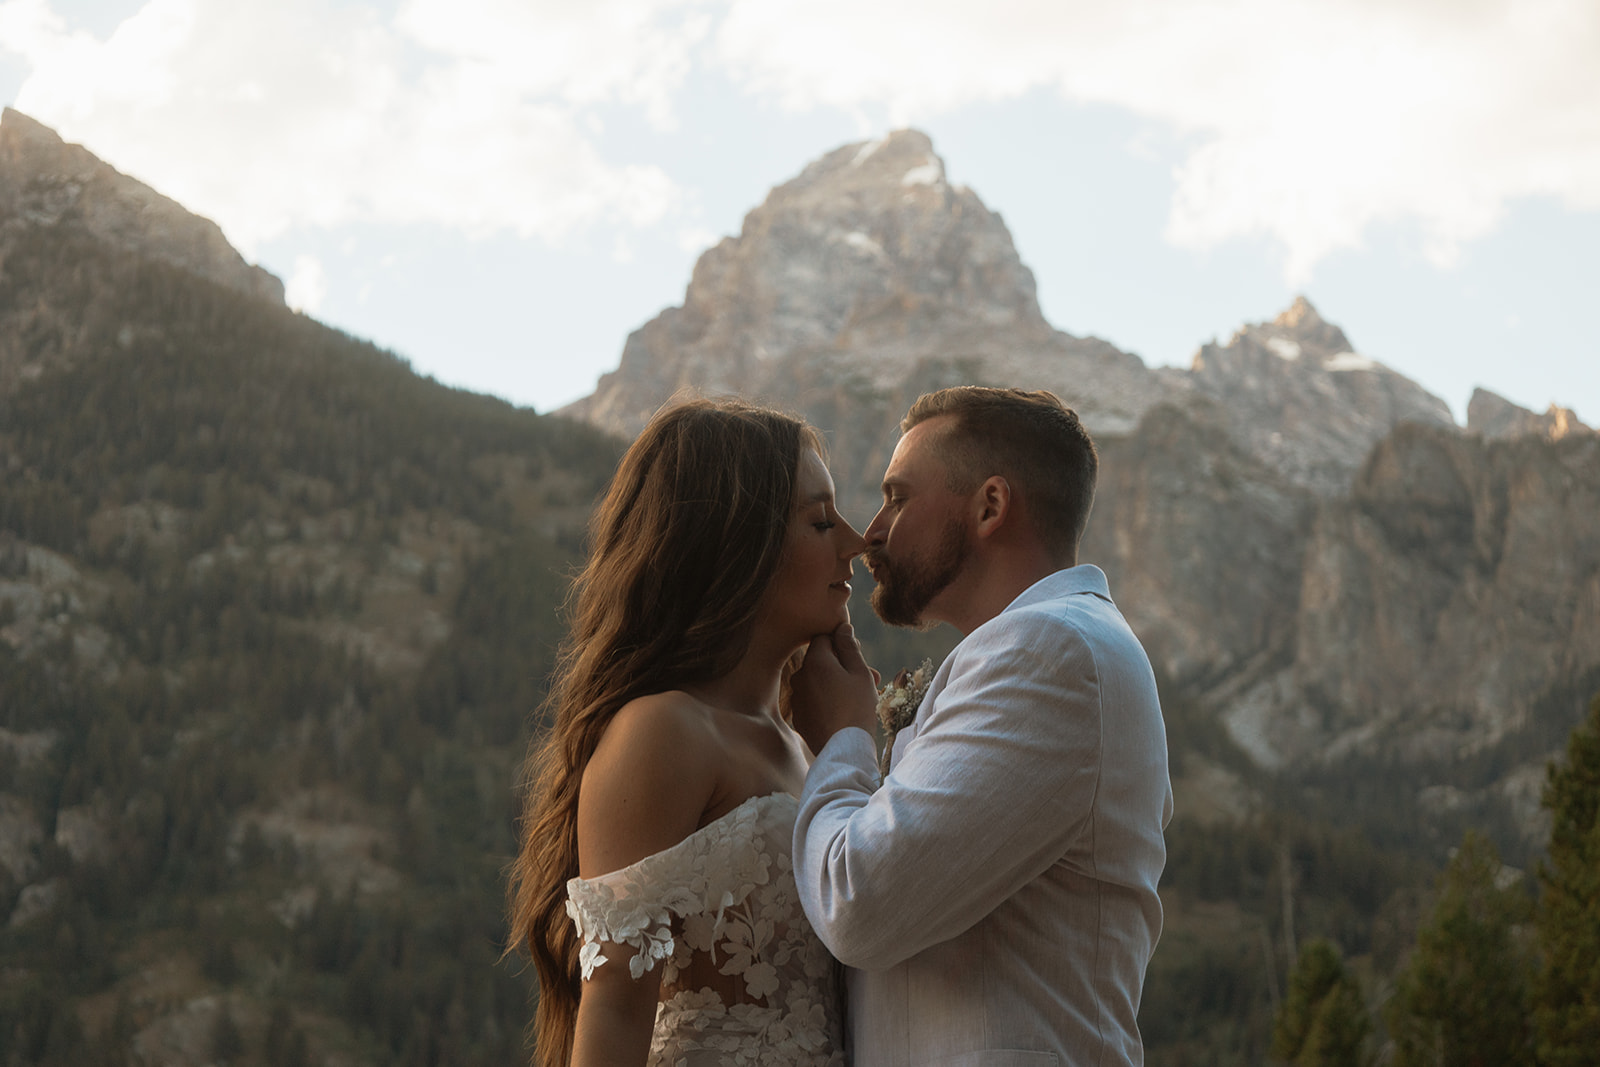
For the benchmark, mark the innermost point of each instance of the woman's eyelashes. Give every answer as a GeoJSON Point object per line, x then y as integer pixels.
{"type": "Point", "coordinates": [826, 519]}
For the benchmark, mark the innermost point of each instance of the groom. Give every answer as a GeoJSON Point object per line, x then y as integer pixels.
{"type": "Point", "coordinates": [996, 894]}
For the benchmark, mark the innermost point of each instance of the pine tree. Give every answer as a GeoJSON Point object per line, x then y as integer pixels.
{"type": "Point", "coordinates": [1567, 991]}
{"type": "Point", "coordinates": [1463, 998]}
{"type": "Point", "coordinates": [1324, 1022]}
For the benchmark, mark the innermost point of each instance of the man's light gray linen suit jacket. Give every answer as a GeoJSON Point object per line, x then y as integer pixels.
{"type": "Point", "coordinates": [997, 893]}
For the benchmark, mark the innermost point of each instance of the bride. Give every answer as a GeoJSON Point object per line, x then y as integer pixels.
{"type": "Point", "coordinates": [654, 887]}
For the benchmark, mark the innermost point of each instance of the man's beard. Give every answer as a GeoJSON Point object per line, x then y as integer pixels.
{"type": "Point", "coordinates": [905, 588]}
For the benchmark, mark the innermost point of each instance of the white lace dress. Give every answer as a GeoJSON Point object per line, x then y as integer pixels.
{"type": "Point", "coordinates": [744, 978]}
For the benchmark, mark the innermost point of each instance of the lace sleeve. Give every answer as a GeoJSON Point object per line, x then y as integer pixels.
{"type": "Point", "coordinates": [705, 873]}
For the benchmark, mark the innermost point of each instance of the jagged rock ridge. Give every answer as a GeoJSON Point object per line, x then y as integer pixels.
{"type": "Point", "coordinates": [1493, 415]}
{"type": "Point", "coordinates": [1297, 394]}
{"type": "Point", "coordinates": [1443, 596]}
{"type": "Point", "coordinates": [45, 181]}
{"type": "Point", "coordinates": [869, 267]}
{"type": "Point", "coordinates": [870, 273]}
{"type": "Point", "coordinates": [1302, 536]}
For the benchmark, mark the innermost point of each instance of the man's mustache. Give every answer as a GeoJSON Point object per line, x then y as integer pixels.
{"type": "Point", "coordinates": [874, 559]}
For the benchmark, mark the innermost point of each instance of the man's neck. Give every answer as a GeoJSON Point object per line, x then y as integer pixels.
{"type": "Point", "coordinates": [988, 586]}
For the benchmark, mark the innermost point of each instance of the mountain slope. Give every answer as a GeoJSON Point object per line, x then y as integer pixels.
{"type": "Point", "coordinates": [45, 182]}
{"type": "Point", "coordinates": [275, 613]}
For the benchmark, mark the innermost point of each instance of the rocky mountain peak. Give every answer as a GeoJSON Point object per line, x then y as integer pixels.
{"type": "Point", "coordinates": [1301, 324]}
{"type": "Point", "coordinates": [869, 278]}
{"type": "Point", "coordinates": [1299, 396]}
{"type": "Point", "coordinates": [904, 157]}
{"type": "Point", "coordinates": [1299, 313]}
{"type": "Point", "coordinates": [44, 181]}
{"type": "Point", "coordinates": [1492, 415]}
{"type": "Point", "coordinates": [869, 248]}
{"type": "Point", "coordinates": [884, 231]}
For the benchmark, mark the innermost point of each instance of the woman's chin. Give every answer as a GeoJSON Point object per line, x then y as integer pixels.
{"type": "Point", "coordinates": [826, 622]}
{"type": "Point", "coordinates": [826, 625]}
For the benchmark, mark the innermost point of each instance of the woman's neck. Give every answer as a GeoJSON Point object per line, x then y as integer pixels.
{"type": "Point", "coordinates": [752, 686]}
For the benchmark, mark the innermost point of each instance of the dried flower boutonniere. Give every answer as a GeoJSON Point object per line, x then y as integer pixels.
{"type": "Point", "coordinates": [897, 705]}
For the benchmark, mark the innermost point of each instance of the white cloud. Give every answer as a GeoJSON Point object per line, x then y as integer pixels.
{"type": "Point", "coordinates": [1305, 123]}
{"type": "Point", "coordinates": [636, 52]}
{"type": "Point", "coordinates": [29, 26]}
{"type": "Point", "coordinates": [307, 286]}
{"type": "Point", "coordinates": [265, 116]}
{"type": "Point", "coordinates": [1308, 123]}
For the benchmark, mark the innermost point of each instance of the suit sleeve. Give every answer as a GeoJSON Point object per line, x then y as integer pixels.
{"type": "Point", "coordinates": [998, 784]}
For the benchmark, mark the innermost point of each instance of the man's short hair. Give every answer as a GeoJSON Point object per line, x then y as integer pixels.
{"type": "Point", "coordinates": [1031, 439]}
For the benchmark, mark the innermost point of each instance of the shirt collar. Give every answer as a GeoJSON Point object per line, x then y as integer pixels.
{"type": "Point", "coordinates": [1084, 578]}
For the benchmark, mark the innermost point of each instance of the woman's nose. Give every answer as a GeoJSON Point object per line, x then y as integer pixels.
{"type": "Point", "coordinates": [854, 544]}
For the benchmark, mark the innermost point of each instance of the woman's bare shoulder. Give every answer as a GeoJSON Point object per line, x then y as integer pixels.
{"type": "Point", "coordinates": [651, 777]}
{"type": "Point", "coordinates": [671, 722]}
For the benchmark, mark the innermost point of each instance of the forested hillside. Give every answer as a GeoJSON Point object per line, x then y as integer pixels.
{"type": "Point", "coordinates": [276, 612]}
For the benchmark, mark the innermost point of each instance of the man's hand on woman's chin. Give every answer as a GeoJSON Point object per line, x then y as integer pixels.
{"type": "Point", "coordinates": [834, 688]}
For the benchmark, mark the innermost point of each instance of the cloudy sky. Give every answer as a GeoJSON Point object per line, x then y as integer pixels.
{"type": "Point", "coordinates": [501, 190]}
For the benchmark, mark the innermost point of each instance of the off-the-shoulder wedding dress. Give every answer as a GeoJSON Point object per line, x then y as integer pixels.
{"type": "Point", "coordinates": [744, 978]}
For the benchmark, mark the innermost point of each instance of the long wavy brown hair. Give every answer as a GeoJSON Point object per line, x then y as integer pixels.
{"type": "Point", "coordinates": [682, 546]}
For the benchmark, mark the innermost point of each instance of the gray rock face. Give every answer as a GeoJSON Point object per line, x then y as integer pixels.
{"type": "Point", "coordinates": [1297, 395]}
{"type": "Point", "coordinates": [1201, 541]}
{"type": "Point", "coordinates": [46, 182]}
{"type": "Point", "coordinates": [1456, 589]}
{"type": "Point", "coordinates": [1492, 415]}
{"type": "Point", "coordinates": [1301, 536]}
{"type": "Point", "coordinates": [868, 272]}
{"type": "Point", "coordinates": [1465, 576]}
{"type": "Point", "coordinates": [870, 277]}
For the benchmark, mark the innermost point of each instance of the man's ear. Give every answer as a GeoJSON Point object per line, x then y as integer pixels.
{"type": "Point", "coordinates": [994, 505]}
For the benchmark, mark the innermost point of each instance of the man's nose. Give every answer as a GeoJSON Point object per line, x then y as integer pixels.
{"type": "Point", "coordinates": [877, 529]}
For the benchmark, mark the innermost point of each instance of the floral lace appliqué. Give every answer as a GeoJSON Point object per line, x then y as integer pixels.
{"type": "Point", "coordinates": [725, 894]}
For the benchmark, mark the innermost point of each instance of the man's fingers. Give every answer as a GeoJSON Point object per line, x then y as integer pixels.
{"type": "Point", "coordinates": [820, 646]}
{"type": "Point", "coordinates": [848, 649]}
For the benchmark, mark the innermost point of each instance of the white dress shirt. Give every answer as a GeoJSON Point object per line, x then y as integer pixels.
{"type": "Point", "coordinates": [996, 895]}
